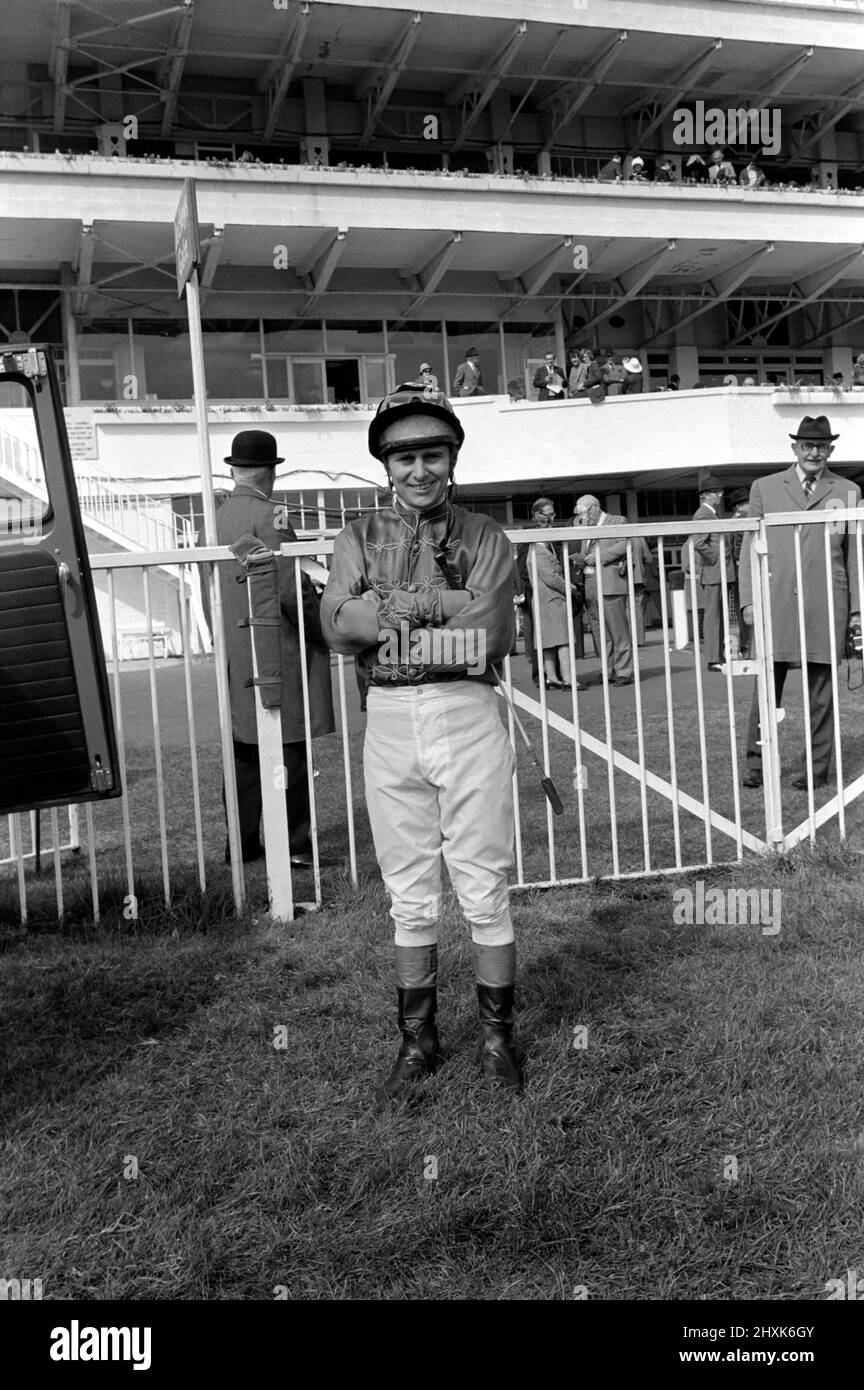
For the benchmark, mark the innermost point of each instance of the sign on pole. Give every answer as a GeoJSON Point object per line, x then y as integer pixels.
{"type": "Point", "coordinates": [187, 243]}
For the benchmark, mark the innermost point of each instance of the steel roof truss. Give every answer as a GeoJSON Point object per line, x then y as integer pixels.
{"type": "Point", "coordinates": [277, 78]}
{"type": "Point", "coordinates": [808, 288]}
{"type": "Point", "coordinates": [377, 89]}
{"type": "Point", "coordinates": [683, 84]}
{"type": "Point", "coordinates": [720, 288]}
{"type": "Point", "coordinates": [172, 71]}
{"type": "Point", "coordinates": [576, 93]}
{"type": "Point", "coordinates": [476, 93]}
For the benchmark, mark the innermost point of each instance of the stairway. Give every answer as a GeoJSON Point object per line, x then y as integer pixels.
{"type": "Point", "coordinates": [115, 517]}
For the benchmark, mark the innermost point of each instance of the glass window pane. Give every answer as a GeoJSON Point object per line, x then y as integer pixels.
{"type": "Point", "coordinates": [229, 366]}
{"type": "Point", "coordinates": [168, 366]}
{"type": "Point", "coordinates": [416, 343]}
{"type": "Point", "coordinates": [309, 383]}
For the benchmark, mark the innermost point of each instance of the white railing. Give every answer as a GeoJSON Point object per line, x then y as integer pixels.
{"type": "Point", "coordinates": [650, 775]}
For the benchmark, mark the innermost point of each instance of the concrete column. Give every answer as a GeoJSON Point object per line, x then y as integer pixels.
{"type": "Point", "coordinates": [684, 359]}
{"type": "Point", "coordinates": [70, 339]}
{"type": "Point", "coordinates": [315, 144]}
{"type": "Point", "coordinates": [560, 349]}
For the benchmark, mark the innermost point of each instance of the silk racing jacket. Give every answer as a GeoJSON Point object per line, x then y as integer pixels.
{"type": "Point", "coordinates": [392, 552]}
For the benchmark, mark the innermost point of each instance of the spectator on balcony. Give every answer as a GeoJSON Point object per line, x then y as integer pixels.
{"type": "Point", "coordinates": [592, 385]}
{"type": "Point", "coordinates": [666, 172]}
{"type": "Point", "coordinates": [858, 373]}
{"type": "Point", "coordinates": [633, 374]}
{"type": "Point", "coordinates": [613, 374]}
{"type": "Point", "coordinates": [578, 371]}
{"type": "Point", "coordinates": [721, 170]}
{"type": "Point", "coordinates": [468, 380]}
{"type": "Point", "coordinates": [838, 381]}
{"type": "Point", "coordinates": [695, 169]}
{"type": "Point", "coordinates": [549, 380]}
{"type": "Point", "coordinates": [751, 175]}
{"type": "Point", "coordinates": [674, 382]}
{"type": "Point", "coordinates": [427, 378]}
{"type": "Point", "coordinates": [637, 169]}
{"type": "Point", "coordinates": [611, 170]}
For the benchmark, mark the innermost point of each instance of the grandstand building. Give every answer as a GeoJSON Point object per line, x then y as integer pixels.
{"type": "Point", "coordinates": [381, 185]}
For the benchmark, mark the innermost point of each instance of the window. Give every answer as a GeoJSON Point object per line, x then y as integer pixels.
{"type": "Point", "coordinates": [23, 487]}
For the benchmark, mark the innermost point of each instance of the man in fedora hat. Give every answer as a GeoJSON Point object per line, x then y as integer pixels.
{"type": "Point", "coordinates": [807, 486]}
{"type": "Point", "coordinates": [250, 511]}
{"type": "Point", "coordinates": [710, 565]}
{"type": "Point", "coordinates": [468, 380]}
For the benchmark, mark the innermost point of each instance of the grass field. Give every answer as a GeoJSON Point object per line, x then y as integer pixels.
{"type": "Point", "coordinates": [691, 1125]}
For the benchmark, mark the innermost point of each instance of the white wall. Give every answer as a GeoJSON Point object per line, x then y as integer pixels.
{"type": "Point", "coordinates": [505, 442]}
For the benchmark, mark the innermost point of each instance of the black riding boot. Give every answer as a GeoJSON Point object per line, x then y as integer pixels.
{"type": "Point", "coordinates": [497, 1058]}
{"type": "Point", "coordinates": [416, 974]}
{"type": "Point", "coordinates": [418, 1055]}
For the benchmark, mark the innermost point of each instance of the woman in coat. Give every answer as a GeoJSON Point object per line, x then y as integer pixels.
{"type": "Point", "coordinates": [551, 614]}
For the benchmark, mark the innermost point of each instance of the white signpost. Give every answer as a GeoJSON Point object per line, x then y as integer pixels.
{"type": "Point", "coordinates": [187, 251]}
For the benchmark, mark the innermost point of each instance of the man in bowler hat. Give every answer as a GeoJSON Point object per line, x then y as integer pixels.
{"type": "Point", "coordinates": [807, 486]}
{"type": "Point", "coordinates": [250, 511]}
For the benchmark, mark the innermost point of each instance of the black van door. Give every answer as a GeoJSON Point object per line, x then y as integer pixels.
{"type": "Point", "coordinates": [57, 743]}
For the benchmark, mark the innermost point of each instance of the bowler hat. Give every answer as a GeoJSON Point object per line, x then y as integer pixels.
{"type": "Point", "coordinates": [818, 430]}
{"type": "Point", "coordinates": [253, 449]}
{"type": "Point", "coordinates": [741, 494]}
{"type": "Point", "coordinates": [711, 484]}
{"type": "Point", "coordinates": [472, 352]}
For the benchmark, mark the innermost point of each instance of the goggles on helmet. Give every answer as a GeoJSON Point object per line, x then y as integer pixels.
{"type": "Point", "coordinates": [413, 398]}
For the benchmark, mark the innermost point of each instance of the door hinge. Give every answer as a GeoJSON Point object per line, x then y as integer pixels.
{"type": "Point", "coordinates": [101, 778]}
{"type": "Point", "coordinates": [30, 363]}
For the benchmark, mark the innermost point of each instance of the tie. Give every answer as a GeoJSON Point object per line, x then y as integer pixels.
{"type": "Point", "coordinates": [809, 484]}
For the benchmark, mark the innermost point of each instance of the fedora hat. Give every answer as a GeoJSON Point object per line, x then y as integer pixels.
{"type": "Point", "coordinates": [741, 494]}
{"type": "Point", "coordinates": [472, 352]}
{"type": "Point", "coordinates": [711, 484]}
{"type": "Point", "coordinates": [816, 429]}
{"type": "Point", "coordinates": [253, 449]}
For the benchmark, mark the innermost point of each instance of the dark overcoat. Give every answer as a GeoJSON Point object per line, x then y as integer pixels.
{"type": "Point", "coordinates": [782, 492]}
{"type": "Point", "coordinates": [248, 513]}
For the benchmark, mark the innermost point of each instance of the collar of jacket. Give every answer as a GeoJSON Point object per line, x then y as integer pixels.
{"type": "Point", "coordinates": [252, 491]}
{"type": "Point", "coordinates": [413, 518]}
